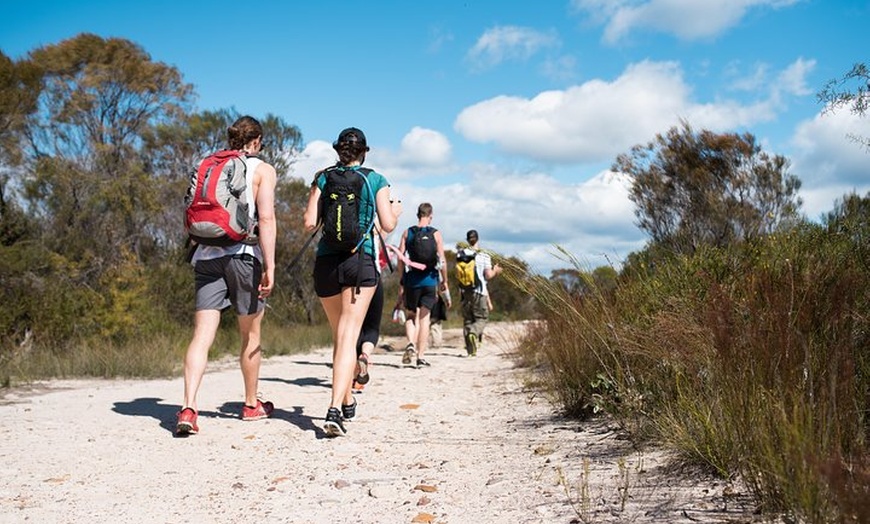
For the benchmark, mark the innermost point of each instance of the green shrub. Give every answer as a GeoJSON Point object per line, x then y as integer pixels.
{"type": "Point", "coordinates": [750, 360]}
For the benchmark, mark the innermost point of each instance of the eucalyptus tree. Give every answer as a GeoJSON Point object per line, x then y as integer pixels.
{"type": "Point", "coordinates": [18, 85]}
{"type": "Point", "coordinates": [85, 179]}
{"type": "Point", "coordinates": [691, 188]}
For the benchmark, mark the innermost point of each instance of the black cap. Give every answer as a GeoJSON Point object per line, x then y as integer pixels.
{"type": "Point", "coordinates": [351, 135]}
{"type": "Point", "coordinates": [471, 236]}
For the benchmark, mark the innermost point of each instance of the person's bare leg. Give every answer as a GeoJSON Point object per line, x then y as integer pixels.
{"type": "Point", "coordinates": [205, 325]}
{"type": "Point", "coordinates": [423, 318]}
{"type": "Point", "coordinates": [251, 355]}
{"type": "Point", "coordinates": [368, 348]}
{"type": "Point", "coordinates": [353, 311]}
{"type": "Point", "coordinates": [411, 327]}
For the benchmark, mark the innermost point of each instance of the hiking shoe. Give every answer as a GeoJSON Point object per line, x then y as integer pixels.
{"type": "Point", "coordinates": [333, 426]}
{"type": "Point", "coordinates": [356, 387]}
{"type": "Point", "coordinates": [363, 375]}
{"type": "Point", "coordinates": [348, 412]}
{"type": "Point", "coordinates": [186, 424]}
{"type": "Point", "coordinates": [261, 410]}
{"type": "Point", "coordinates": [410, 353]}
{"type": "Point", "coordinates": [421, 363]}
{"type": "Point", "coordinates": [471, 344]}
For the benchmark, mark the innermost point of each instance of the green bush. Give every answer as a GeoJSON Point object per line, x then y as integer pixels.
{"type": "Point", "coordinates": [749, 360]}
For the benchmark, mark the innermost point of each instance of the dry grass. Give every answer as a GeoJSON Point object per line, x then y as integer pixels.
{"type": "Point", "coordinates": [750, 361]}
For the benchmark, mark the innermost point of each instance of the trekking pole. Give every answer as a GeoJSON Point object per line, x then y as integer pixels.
{"type": "Point", "coordinates": [301, 252]}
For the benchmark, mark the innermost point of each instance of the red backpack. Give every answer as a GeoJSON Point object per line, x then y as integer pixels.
{"type": "Point", "coordinates": [217, 204]}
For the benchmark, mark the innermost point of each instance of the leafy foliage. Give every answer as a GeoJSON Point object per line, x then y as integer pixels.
{"type": "Point", "coordinates": [701, 188]}
{"type": "Point", "coordinates": [97, 144]}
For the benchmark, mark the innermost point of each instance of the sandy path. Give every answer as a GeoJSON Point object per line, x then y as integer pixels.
{"type": "Point", "coordinates": [460, 442]}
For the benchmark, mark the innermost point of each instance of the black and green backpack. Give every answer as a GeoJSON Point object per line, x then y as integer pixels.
{"type": "Point", "coordinates": [341, 207]}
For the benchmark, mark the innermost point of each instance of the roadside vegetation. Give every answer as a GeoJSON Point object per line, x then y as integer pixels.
{"type": "Point", "coordinates": [738, 336]}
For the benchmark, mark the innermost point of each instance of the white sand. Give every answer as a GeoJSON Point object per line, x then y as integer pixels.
{"type": "Point", "coordinates": [464, 441]}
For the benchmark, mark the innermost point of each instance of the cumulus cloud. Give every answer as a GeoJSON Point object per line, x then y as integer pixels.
{"type": "Point", "coordinates": [503, 43]}
{"type": "Point", "coordinates": [425, 147]}
{"type": "Point", "coordinates": [596, 120]}
{"type": "Point", "coordinates": [316, 155]}
{"type": "Point", "coordinates": [685, 19]}
{"type": "Point", "coordinates": [525, 214]}
{"type": "Point", "coordinates": [828, 162]}
{"type": "Point", "coordinates": [422, 153]}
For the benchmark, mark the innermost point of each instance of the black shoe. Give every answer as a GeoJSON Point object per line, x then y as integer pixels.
{"type": "Point", "coordinates": [333, 426]}
{"type": "Point", "coordinates": [410, 353]}
{"type": "Point", "coordinates": [348, 412]}
{"type": "Point", "coordinates": [421, 363]}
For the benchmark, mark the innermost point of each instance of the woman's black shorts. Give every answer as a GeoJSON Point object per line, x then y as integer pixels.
{"type": "Point", "coordinates": [334, 272]}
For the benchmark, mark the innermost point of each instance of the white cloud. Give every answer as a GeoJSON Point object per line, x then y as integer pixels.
{"type": "Point", "coordinates": [560, 69]}
{"type": "Point", "coordinates": [425, 147]}
{"type": "Point", "coordinates": [793, 79]}
{"type": "Point", "coordinates": [503, 43]}
{"type": "Point", "coordinates": [790, 81]}
{"type": "Point", "coordinates": [316, 156]}
{"type": "Point", "coordinates": [422, 153]}
{"type": "Point", "coordinates": [828, 162]}
{"type": "Point", "coordinates": [597, 120]}
{"type": "Point", "coordinates": [525, 214]}
{"type": "Point", "coordinates": [755, 80]}
{"type": "Point", "coordinates": [685, 19]}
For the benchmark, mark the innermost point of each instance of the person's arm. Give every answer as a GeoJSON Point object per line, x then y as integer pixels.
{"type": "Point", "coordinates": [265, 180]}
{"type": "Point", "coordinates": [400, 269]}
{"type": "Point", "coordinates": [400, 263]}
{"type": "Point", "coordinates": [439, 241]}
{"type": "Point", "coordinates": [310, 216]}
{"type": "Point", "coordinates": [491, 271]}
{"type": "Point", "coordinates": [388, 210]}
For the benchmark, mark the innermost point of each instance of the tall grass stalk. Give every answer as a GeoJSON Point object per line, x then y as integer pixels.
{"type": "Point", "coordinates": [751, 360]}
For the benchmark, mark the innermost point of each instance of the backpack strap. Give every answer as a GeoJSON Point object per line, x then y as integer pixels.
{"type": "Point", "coordinates": [367, 234]}
{"type": "Point", "coordinates": [368, 230]}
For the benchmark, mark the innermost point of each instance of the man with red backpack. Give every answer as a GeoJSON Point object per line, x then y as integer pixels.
{"type": "Point", "coordinates": [233, 266]}
{"type": "Point", "coordinates": [420, 284]}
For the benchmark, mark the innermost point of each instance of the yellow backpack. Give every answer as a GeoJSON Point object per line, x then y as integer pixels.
{"type": "Point", "coordinates": [466, 273]}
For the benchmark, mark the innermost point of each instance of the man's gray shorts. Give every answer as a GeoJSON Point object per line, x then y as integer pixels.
{"type": "Point", "coordinates": [229, 281]}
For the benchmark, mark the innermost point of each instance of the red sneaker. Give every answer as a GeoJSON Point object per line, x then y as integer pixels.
{"type": "Point", "coordinates": [261, 410]}
{"type": "Point", "coordinates": [186, 424]}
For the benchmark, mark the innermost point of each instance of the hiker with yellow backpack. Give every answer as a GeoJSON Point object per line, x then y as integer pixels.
{"type": "Point", "coordinates": [474, 268]}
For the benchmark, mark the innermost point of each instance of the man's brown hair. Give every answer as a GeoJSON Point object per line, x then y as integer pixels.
{"type": "Point", "coordinates": [424, 210]}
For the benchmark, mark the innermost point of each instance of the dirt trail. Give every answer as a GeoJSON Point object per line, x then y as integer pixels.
{"type": "Point", "coordinates": [459, 442]}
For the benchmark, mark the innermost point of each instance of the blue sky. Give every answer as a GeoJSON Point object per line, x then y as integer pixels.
{"type": "Point", "coordinates": [506, 116]}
